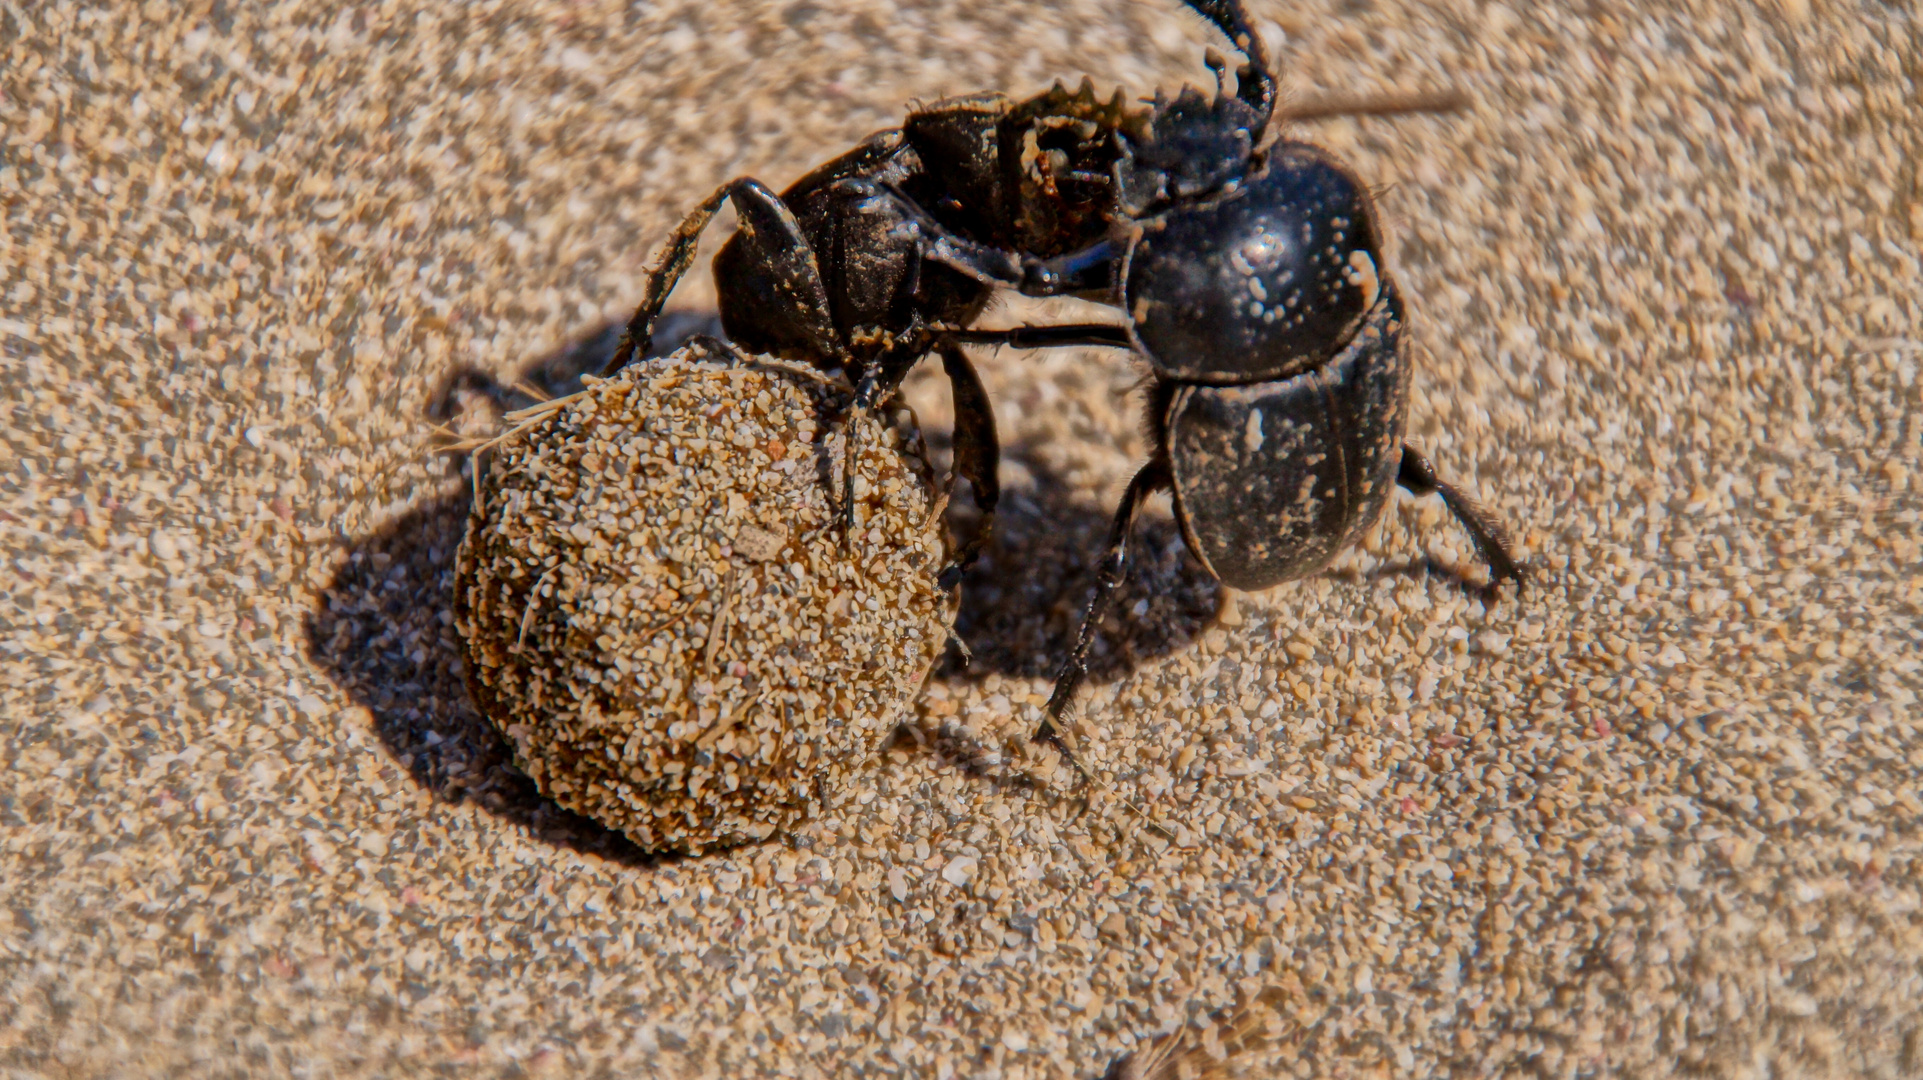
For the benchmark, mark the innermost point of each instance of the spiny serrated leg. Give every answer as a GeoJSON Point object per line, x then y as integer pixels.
{"type": "Point", "coordinates": [1256, 77]}
{"type": "Point", "coordinates": [1113, 571]}
{"type": "Point", "coordinates": [1492, 542]}
{"type": "Point", "coordinates": [977, 454]}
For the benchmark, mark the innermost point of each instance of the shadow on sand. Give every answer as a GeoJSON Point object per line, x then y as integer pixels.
{"type": "Point", "coordinates": [383, 631]}
{"type": "Point", "coordinates": [383, 628]}
{"type": "Point", "coordinates": [1023, 602]}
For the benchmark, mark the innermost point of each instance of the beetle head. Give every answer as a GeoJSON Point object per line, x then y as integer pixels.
{"type": "Point", "coordinates": [1190, 148]}
{"type": "Point", "coordinates": [1194, 146]}
{"type": "Point", "coordinates": [1267, 277]}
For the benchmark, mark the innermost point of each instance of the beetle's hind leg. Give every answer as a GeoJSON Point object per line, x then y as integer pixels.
{"type": "Point", "coordinates": [1085, 271]}
{"type": "Point", "coordinates": [1108, 577]}
{"type": "Point", "coordinates": [1492, 541]}
{"type": "Point", "coordinates": [777, 256]}
{"type": "Point", "coordinates": [879, 381]}
{"type": "Point", "coordinates": [977, 450]}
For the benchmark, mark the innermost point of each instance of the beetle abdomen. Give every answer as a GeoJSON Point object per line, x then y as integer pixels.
{"type": "Point", "coordinates": [1273, 479]}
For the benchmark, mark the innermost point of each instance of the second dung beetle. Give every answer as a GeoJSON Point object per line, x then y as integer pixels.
{"type": "Point", "coordinates": [1248, 272]}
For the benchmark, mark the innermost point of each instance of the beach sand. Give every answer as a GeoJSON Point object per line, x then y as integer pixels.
{"type": "Point", "coordinates": [1655, 815]}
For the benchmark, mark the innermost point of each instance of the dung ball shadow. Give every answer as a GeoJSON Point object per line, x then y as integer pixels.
{"type": "Point", "coordinates": [383, 629]}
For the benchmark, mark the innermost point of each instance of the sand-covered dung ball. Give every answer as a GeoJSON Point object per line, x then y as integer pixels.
{"type": "Point", "coordinates": [659, 611]}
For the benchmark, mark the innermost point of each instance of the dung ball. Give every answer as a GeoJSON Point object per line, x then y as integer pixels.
{"type": "Point", "coordinates": [659, 610]}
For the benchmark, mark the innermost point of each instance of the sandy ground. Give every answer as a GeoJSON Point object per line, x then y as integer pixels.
{"type": "Point", "coordinates": [1657, 815]}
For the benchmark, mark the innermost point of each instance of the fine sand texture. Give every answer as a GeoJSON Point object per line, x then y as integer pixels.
{"type": "Point", "coordinates": [1656, 815]}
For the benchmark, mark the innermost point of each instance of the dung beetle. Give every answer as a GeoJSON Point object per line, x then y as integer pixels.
{"type": "Point", "coordinates": [1249, 275]}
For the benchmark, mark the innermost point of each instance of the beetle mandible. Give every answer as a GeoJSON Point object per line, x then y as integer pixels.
{"type": "Point", "coordinates": [1249, 276]}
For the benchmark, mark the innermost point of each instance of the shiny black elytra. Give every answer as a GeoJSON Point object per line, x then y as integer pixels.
{"type": "Point", "coordinates": [1250, 280]}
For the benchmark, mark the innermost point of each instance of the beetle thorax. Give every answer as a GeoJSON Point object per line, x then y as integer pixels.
{"type": "Point", "coordinates": [1265, 280]}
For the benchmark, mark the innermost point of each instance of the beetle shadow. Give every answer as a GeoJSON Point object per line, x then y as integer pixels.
{"type": "Point", "coordinates": [1023, 602]}
{"type": "Point", "coordinates": [953, 746]}
{"type": "Point", "coordinates": [1428, 568]}
{"type": "Point", "coordinates": [383, 631]}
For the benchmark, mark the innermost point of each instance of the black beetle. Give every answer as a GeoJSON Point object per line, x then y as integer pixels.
{"type": "Point", "coordinates": [1250, 278]}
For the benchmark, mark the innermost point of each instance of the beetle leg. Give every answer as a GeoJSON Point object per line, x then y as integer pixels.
{"type": "Point", "coordinates": [1492, 542]}
{"type": "Point", "coordinates": [977, 454]}
{"type": "Point", "coordinates": [1114, 570]}
{"type": "Point", "coordinates": [1257, 77]}
{"type": "Point", "coordinates": [1089, 270]}
{"type": "Point", "coordinates": [878, 383]}
{"type": "Point", "coordinates": [1044, 337]}
{"type": "Point", "coordinates": [867, 392]}
{"type": "Point", "coordinates": [783, 255]}
{"type": "Point", "coordinates": [664, 273]}
{"type": "Point", "coordinates": [977, 450]}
